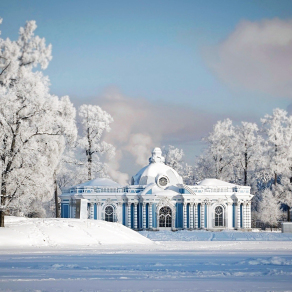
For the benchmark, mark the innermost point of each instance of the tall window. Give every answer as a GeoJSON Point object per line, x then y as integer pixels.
{"type": "Point", "coordinates": [109, 214]}
{"type": "Point", "coordinates": [165, 217]}
{"type": "Point", "coordinates": [219, 216]}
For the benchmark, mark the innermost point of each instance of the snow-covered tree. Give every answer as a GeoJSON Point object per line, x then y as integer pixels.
{"type": "Point", "coordinates": [248, 153]}
{"type": "Point", "coordinates": [278, 132]}
{"type": "Point", "coordinates": [218, 158]}
{"type": "Point", "coordinates": [269, 210]}
{"type": "Point", "coordinates": [33, 123]}
{"type": "Point", "coordinates": [173, 157]}
{"type": "Point", "coordinates": [95, 122]}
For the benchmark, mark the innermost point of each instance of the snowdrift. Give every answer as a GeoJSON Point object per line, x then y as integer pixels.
{"type": "Point", "coordinates": [48, 232]}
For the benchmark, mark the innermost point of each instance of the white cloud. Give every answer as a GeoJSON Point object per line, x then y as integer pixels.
{"type": "Point", "coordinates": [256, 56]}
{"type": "Point", "coordinates": [140, 125]}
{"type": "Point", "coordinates": [113, 169]}
{"type": "Point", "coordinates": [139, 146]}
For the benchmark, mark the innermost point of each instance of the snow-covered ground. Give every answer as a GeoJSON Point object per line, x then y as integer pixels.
{"type": "Point", "coordinates": [173, 261]}
{"type": "Point", "coordinates": [26, 233]}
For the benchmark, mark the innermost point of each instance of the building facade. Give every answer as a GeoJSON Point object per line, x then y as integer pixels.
{"type": "Point", "coordinates": [158, 199]}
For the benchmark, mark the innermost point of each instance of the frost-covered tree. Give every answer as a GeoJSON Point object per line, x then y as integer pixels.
{"type": "Point", "coordinates": [269, 210]}
{"type": "Point", "coordinates": [277, 129]}
{"type": "Point", "coordinates": [248, 153]}
{"type": "Point", "coordinates": [217, 160]}
{"type": "Point", "coordinates": [95, 122]}
{"type": "Point", "coordinates": [173, 157]}
{"type": "Point", "coordinates": [34, 124]}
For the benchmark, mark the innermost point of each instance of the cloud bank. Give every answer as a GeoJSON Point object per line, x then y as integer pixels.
{"type": "Point", "coordinates": [256, 56]}
{"type": "Point", "coordinates": [140, 125]}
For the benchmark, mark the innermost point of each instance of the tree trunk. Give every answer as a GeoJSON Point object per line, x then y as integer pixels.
{"type": "Point", "coordinates": [56, 197]}
{"type": "Point", "coordinates": [288, 215]}
{"type": "Point", "coordinates": [276, 178]}
{"type": "Point", "coordinates": [2, 218]}
{"type": "Point", "coordinates": [89, 160]}
{"type": "Point", "coordinates": [3, 201]}
{"type": "Point", "coordinates": [89, 155]}
{"type": "Point", "coordinates": [245, 168]}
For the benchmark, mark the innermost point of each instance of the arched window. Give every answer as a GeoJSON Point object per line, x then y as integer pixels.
{"type": "Point", "coordinates": [109, 214]}
{"type": "Point", "coordinates": [219, 216]}
{"type": "Point", "coordinates": [165, 217]}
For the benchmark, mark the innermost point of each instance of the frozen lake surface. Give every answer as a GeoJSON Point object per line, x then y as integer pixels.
{"type": "Point", "coordinates": [159, 271]}
{"type": "Point", "coordinates": [172, 261]}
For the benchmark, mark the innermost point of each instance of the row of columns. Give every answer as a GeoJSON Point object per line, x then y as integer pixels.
{"type": "Point", "coordinates": [243, 219]}
{"type": "Point", "coordinates": [193, 216]}
{"type": "Point", "coordinates": [135, 223]}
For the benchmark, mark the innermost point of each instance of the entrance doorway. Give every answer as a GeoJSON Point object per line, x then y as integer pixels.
{"type": "Point", "coordinates": [165, 216]}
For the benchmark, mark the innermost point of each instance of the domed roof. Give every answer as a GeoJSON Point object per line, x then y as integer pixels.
{"type": "Point", "coordinates": [155, 171]}
{"type": "Point", "coordinates": [99, 182]}
{"type": "Point", "coordinates": [215, 183]}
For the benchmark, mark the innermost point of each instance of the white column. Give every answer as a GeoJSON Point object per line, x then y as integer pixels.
{"type": "Point", "coordinates": [135, 216]}
{"type": "Point", "coordinates": [191, 216]}
{"type": "Point", "coordinates": [203, 215]}
{"type": "Point", "coordinates": [185, 215]}
{"type": "Point", "coordinates": [144, 215]}
{"type": "Point", "coordinates": [119, 212]}
{"type": "Point", "coordinates": [209, 216]}
{"type": "Point", "coordinates": [230, 215]}
{"type": "Point", "coordinates": [91, 211]}
{"type": "Point", "coordinates": [73, 210]}
{"type": "Point", "coordinates": [98, 211]}
{"type": "Point", "coordinates": [249, 214]}
{"type": "Point", "coordinates": [196, 215]}
{"type": "Point", "coordinates": [225, 217]}
{"type": "Point", "coordinates": [238, 215]}
{"type": "Point", "coordinates": [129, 215]}
{"type": "Point", "coordinates": [150, 215]}
{"type": "Point", "coordinates": [244, 215]}
{"type": "Point", "coordinates": [173, 219]}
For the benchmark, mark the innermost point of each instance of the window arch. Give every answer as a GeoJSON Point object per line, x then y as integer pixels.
{"type": "Point", "coordinates": [109, 213]}
{"type": "Point", "coordinates": [219, 215]}
{"type": "Point", "coordinates": [165, 216]}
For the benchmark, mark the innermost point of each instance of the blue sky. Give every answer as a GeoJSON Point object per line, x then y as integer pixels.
{"type": "Point", "coordinates": [154, 51]}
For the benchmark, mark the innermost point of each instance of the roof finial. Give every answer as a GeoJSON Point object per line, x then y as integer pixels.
{"type": "Point", "coordinates": [156, 156]}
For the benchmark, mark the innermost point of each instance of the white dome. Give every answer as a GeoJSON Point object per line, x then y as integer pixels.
{"type": "Point", "coordinates": [155, 170]}
{"type": "Point", "coordinates": [213, 182]}
{"type": "Point", "coordinates": [99, 182]}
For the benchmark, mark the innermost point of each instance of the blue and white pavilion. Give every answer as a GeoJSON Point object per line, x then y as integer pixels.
{"type": "Point", "coordinates": [158, 199]}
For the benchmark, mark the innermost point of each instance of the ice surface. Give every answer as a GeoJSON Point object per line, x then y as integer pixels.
{"type": "Point", "coordinates": [173, 261]}
{"type": "Point", "coordinates": [226, 235]}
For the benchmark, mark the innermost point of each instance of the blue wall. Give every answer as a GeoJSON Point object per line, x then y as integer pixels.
{"type": "Point", "coordinates": [139, 216]}
{"type": "Point", "coordinates": [124, 214]}
{"type": "Point", "coordinates": [179, 215]}
{"type": "Point", "coordinates": [188, 215]}
{"type": "Point", "coordinates": [132, 216]}
{"type": "Point", "coordinates": [65, 211]}
{"type": "Point", "coordinates": [233, 215]}
{"type": "Point", "coordinates": [199, 215]}
{"type": "Point", "coordinates": [95, 211]}
{"type": "Point", "coordinates": [241, 215]}
{"type": "Point", "coordinates": [147, 215]}
{"type": "Point", "coordinates": [154, 217]}
{"type": "Point", "coordinates": [205, 221]}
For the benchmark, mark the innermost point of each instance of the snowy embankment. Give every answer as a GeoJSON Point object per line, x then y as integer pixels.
{"type": "Point", "coordinates": [22, 232]}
